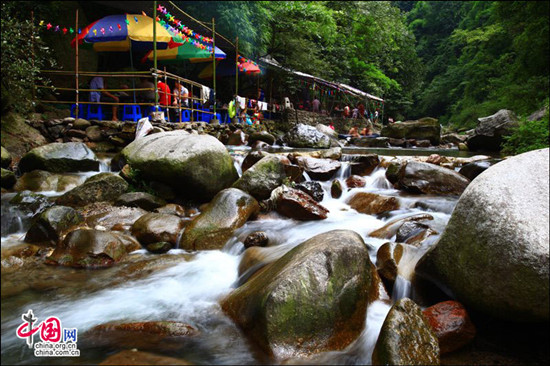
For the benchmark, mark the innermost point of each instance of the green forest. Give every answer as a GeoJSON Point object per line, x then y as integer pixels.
{"type": "Point", "coordinates": [452, 60]}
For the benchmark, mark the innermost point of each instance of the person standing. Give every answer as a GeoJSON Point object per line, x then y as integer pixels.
{"type": "Point", "coordinates": [97, 83]}
{"type": "Point", "coordinates": [316, 104]}
{"type": "Point", "coordinates": [346, 111]}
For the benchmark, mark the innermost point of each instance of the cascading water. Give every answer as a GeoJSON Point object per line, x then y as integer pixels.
{"type": "Point", "coordinates": [189, 291]}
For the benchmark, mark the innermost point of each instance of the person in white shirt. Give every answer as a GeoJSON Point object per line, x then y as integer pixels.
{"type": "Point", "coordinates": [180, 94]}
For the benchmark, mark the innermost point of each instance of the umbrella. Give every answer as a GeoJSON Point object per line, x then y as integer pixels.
{"type": "Point", "coordinates": [116, 33]}
{"type": "Point", "coordinates": [184, 52]}
{"type": "Point", "coordinates": [228, 68]}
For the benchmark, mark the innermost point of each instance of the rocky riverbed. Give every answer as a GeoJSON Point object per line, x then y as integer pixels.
{"type": "Point", "coordinates": [179, 249]}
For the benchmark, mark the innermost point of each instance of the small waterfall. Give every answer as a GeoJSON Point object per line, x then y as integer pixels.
{"type": "Point", "coordinates": [306, 176]}
{"type": "Point", "coordinates": [344, 172]}
{"type": "Point", "coordinates": [238, 162]}
{"type": "Point", "coordinates": [401, 288]}
{"type": "Point", "coordinates": [378, 180]}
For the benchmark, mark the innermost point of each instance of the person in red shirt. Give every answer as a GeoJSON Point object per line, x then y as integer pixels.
{"type": "Point", "coordinates": [165, 98]}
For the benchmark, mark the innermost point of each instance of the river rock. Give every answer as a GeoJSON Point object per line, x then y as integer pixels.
{"type": "Point", "coordinates": [261, 136]}
{"type": "Point", "coordinates": [409, 230]}
{"type": "Point", "coordinates": [94, 133]}
{"type": "Point", "coordinates": [313, 299]}
{"type": "Point", "coordinates": [491, 130]}
{"type": "Point", "coordinates": [159, 248]}
{"type": "Point", "coordinates": [172, 209]}
{"type": "Point", "coordinates": [260, 145]}
{"type": "Point", "coordinates": [298, 205]}
{"type": "Point", "coordinates": [89, 249]}
{"type": "Point", "coordinates": [41, 180]}
{"type": "Point", "coordinates": [155, 227]}
{"type": "Point", "coordinates": [52, 223]}
{"type": "Point", "coordinates": [417, 177]}
{"type": "Point", "coordinates": [253, 258]}
{"type": "Point", "coordinates": [140, 199]}
{"type": "Point", "coordinates": [318, 169]}
{"type": "Point", "coordinates": [81, 124]}
{"type": "Point", "coordinates": [8, 178]}
{"type": "Point", "coordinates": [5, 158]}
{"type": "Point", "coordinates": [451, 324]}
{"type": "Point", "coordinates": [336, 189]}
{"type": "Point", "coordinates": [372, 203]}
{"type": "Point", "coordinates": [406, 338]}
{"type": "Point", "coordinates": [370, 141]}
{"type": "Point", "coordinates": [262, 178]}
{"type": "Point", "coordinates": [252, 158]}
{"type": "Point", "coordinates": [197, 166]}
{"type": "Point", "coordinates": [237, 138]}
{"type": "Point", "coordinates": [334, 153]}
{"type": "Point", "coordinates": [100, 187]}
{"type": "Point", "coordinates": [391, 228]}
{"type": "Point", "coordinates": [387, 260]}
{"type": "Point", "coordinates": [228, 211]}
{"type": "Point", "coordinates": [453, 138]}
{"type": "Point", "coordinates": [111, 217]}
{"type": "Point", "coordinates": [60, 158]}
{"type": "Point", "coordinates": [312, 188]}
{"type": "Point", "coordinates": [472, 170]}
{"type": "Point", "coordinates": [306, 136]}
{"type": "Point", "coordinates": [256, 239]}
{"type": "Point", "coordinates": [423, 143]}
{"type": "Point", "coordinates": [364, 164]}
{"type": "Point", "coordinates": [493, 255]}
{"type": "Point", "coordinates": [326, 130]}
{"type": "Point", "coordinates": [423, 129]}
{"type": "Point", "coordinates": [134, 357]}
{"type": "Point", "coordinates": [355, 181]}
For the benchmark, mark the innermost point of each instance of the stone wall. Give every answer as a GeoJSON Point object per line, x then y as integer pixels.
{"type": "Point", "coordinates": [290, 117]}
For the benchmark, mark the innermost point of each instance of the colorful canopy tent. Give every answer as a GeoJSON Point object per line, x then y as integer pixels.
{"type": "Point", "coordinates": [119, 33]}
{"type": "Point", "coordinates": [184, 52]}
{"type": "Point", "coordinates": [225, 68]}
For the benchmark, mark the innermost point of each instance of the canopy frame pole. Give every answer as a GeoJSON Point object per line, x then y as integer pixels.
{"type": "Point", "coordinates": [236, 66]}
{"type": "Point", "coordinates": [214, 61]}
{"type": "Point", "coordinates": [77, 109]}
{"type": "Point", "coordinates": [33, 90]}
{"type": "Point", "coordinates": [132, 66]}
{"type": "Point", "coordinates": [155, 54]}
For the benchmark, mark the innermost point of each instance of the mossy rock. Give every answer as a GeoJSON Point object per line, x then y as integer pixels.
{"type": "Point", "coordinates": [100, 187]}
{"type": "Point", "coordinates": [51, 224]}
{"type": "Point", "coordinates": [6, 158]}
{"type": "Point", "coordinates": [60, 158]}
{"type": "Point", "coordinates": [262, 178]}
{"type": "Point", "coordinates": [8, 179]}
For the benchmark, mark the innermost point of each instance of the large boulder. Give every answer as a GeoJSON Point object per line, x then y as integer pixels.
{"type": "Point", "coordinates": [156, 227]}
{"type": "Point", "coordinates": [227, 212]}
{"type": "Point", "coordinates": [5, 158]}
{"type": "Point", "coordinates": [418, 177]}
{"type": "Point", "coordinates": [406, 338]}
{"type": "Point", "coordinates": [52, 223]}
{"type": "Point", "coordinates": [306, 136]}
{"type": "Point", "coordinates": [8, 178]}
{"type": "Point", "coordinates": [313, 299]}
{"type": "Point", "coordinates": [41, 180]}
{"type": "Point", "coordinates": [262, 178]}
{"type": "Point", "coordinates": [318, 169]}
{"type": "Point", "coordinates": [60, 158]}
{"type": "Point", "coordinates": [423, 129]}
{"type": "Point", "coordinates": [91, 249]}
{"type": "Point", "coordinates": [198, 166]}
{"type": "Point", "coordinates": [491, 130]}
{"type": "Point", "coordinates": [100, 187]}
{"type": "Point", "coordinates": [493, 255]}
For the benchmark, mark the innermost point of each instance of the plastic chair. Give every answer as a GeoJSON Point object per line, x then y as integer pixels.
{"type": "Point", "coordinates": [185, 115]}
{"type": "Point", "coordinates": [206, 117]}
{"type": "Point", "coordinates": [97, 114]}
{"type": "Point", "coordinates": [218, 117]}
{"type": "Point", "coordinates": [131, 113]}
{"type": "Point", "coordinates": [81, 113]}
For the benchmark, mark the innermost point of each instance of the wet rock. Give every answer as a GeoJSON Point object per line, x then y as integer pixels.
{"type": "Point", "coordinates": [364, 164]}
{"type": "Point", "coordinates": [398, 142]}
{"type": "Point", "coordinates": [387, 260]}
{"type": "Point", "coordinates": [423, 143]}
{"type": "Point", "coordinates": [140, 199]}
{"type": "Point", "coordinates": [262, 178]}
{"type": "Point", "coordinates": [355, 181]}
{"type": "Point", "coordinates": [410, 229]}
{"type": "Point", "coordinates": [260, 145]}
{"type": "Point", "coordinates": [336, 189]}
{"type": "Point", "coordinates": [313, 299]}
{"type": "Point", "coordinates": [334, 153]}
{"type": "Point", "coordinates": [451, 324]}
{"type": "Point", "coordinates": [41, 180]}
{"type": "Point", "coordinates": [256, 239]}
{"type": "Point", "coordinates": [253, 259]}
{"type": "Point", "coordinates": [263, 136]}
{"type": "Point", "coordinates": [370, 141]}
{"type": "Point", "coordinates": [453, 138]}
{"type": "Point", "coordinates": [373, 204]}
{"type": "Point", "coordinates": [306, 136]}
{"type": "Point", "coordinates": [312, 188]}
{"type": "Point", "coordinates": [172, 209]}
{"type": "Point", "coordinates": [326, 130]}
{"type": "Point", "coordinates": [83, 248]}
{"type": "Point", "coordinates": [463, 147]}
{"type": "Point", "coordinates": [81, 124]}
{"type": "Point", "coordinates": [94, 133]}
{"type": "Point", "coordinates": [5, 157]}
{"type": "Point", "coordinates": [423, 129]}
{"type": "Point", "coordinates": [159, 248]}
{"type": "Point", "coordinates": [30, 203]}
{"type": "Point", "coordinates": [434, 159]}
{"type": "Point", "coordinates": [472, 170]}
{"type": "Point", "coordinates": [7, 179]}
{"type": "Point", "coordinates": [493, 255]}
{"type": "Point", "coordinates": [196, 166]}
{"type": "Point", "coordinates": [491, 130]}
{"type": "Point", "coordinates": [318, 169]}
{"type": "Point", "coordinates": [60, 158]}
{"type": "Point", "coordinates": [100, 187]}
{"type": "Point", "coordinates": [298, 205]}
{"type": "Point", "coordinates": [417, 177]}
{"type": "Point", "coordinates": [228, 211]}
{"type": "Point", "coordinates": [103, 214]}
{"type": "Point", "coordinates": [76, 133]}
{"type": "Point", "coordinates": [390, 229]}
{"type": "Point", "coordinates": [131, 357]}
{"type": "Point", "coordinates": [406, 338]}
{"type": "Point", "coordinates": [50, 226]}
{"type": "Point", "coordinates": [155, 227]}
{"type": "Point", "coordinates": [237, 138]}
{"type": "Point", "coordinates": [252, 158]}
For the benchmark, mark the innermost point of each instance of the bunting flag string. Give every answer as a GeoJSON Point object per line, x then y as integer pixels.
{"type": "Point", "coordinates": [57, 28]}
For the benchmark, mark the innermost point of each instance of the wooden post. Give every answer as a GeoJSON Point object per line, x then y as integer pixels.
{"type": "Point", "coordinates": [33, 90]}
{"type": "Point", "coordinates": [237, 67]}
{"type": "Point", "coordinates": [214, 61]}
{"type": "Point", "coordinates": [77, 109]}
{"type": "Point", "coordinates": [166, 94]}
